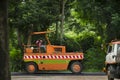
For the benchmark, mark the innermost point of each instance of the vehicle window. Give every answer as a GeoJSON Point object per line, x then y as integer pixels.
{"type": "Point", "coordinates": [58, 50]}
{"type": "Point", "coordinates": [118, 49]}
{"type": "Point", "coordinates": [43, 49]}
{"type": "Point", "coordinates": [111, 48]}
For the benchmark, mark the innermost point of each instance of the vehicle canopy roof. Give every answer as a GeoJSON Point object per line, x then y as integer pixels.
{"type": "Point", "coordinates": [42, 33]}
{"type": "Point", "coordinates": [115, 42]}
{"type": "Point", "coordinates": [38, 33]}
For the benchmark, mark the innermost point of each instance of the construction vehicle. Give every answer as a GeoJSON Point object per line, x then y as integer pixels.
{"type": "Point", "coordinates": [46, 57]}
{"type": "Point", "coordinates": [112, 63]}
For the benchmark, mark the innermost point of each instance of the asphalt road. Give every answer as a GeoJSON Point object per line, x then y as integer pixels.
{"type": "Point", "coordinates": [60, 76]}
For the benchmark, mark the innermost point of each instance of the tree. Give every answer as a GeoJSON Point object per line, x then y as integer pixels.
{"type": "Point", "coordinates": [39, 14]}
{"type": "Point", "coordinates": [104, 14]}
{"type": "Point", "coordinates": [4, 53]}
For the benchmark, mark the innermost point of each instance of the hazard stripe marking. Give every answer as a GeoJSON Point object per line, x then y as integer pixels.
{"type": "Point", "coordinates": [53, 56]}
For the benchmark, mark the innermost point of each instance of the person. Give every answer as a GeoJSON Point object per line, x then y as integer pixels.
{"type": "Point", "coordinates": [39, 43]}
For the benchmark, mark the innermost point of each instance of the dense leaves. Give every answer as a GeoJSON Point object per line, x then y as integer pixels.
{"type": "Point", "coordinates": [102, 12]}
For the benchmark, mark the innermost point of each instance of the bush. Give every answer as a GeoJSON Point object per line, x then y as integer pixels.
{"type": "Point", "coordinates": [94, 59]}
{"type": "Point", "coordinates": [15, 59]}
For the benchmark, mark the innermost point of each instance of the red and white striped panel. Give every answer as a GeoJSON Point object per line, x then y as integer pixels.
{"type": "Point", "coordinates": [53, 56]}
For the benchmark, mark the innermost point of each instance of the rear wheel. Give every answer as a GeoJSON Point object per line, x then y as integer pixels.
{"type": "Point", "coordinates": [31, 67]}
{"type": "Point", "coordinates": [76, 67]}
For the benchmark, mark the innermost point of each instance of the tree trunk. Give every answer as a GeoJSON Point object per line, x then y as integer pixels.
{"type": "Point", "coordinates": [62, 22]}
{"type": "Point", "coordinates": [4, 53]}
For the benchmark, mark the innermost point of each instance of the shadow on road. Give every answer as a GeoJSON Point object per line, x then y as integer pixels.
{"type": "Point", "coordinates": [58, 74]}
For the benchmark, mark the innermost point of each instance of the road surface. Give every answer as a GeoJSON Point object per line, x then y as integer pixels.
{"type": "Point", "coordinates": [59, 76]}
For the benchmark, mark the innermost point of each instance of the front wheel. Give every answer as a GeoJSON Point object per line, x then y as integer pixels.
{"type": "Point", "coordinates": [109, 73]}
{"type": "Point", "coordinates": [76, 67]}
{"type": "Point", "coordinates": [31, 67]}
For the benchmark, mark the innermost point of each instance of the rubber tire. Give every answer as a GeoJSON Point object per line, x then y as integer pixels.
{"type": "Point", "coordinates": [109, 74]}
{"type": "Point", "coordinates": [27, 67]}
{"type": "Point", "coordinates": [73, 65]}
{"type": "Point", "coordinates": [110, 78]}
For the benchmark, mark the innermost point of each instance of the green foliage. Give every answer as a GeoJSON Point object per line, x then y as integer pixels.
{"type": "Point", "coordinates": [94, 59]}
{"type": "Point", "coordinates": [72, 45]}
{"type": "Point", "coordinates": [102, 12]}
{"type": "Point", "coordinates": [15, 59]}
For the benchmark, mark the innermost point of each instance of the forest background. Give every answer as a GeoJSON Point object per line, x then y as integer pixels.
{"type": "Point", "coordinates": [87, 25]}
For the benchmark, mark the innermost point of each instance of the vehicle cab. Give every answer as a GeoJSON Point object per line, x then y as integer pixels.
{"type": "Point", "coordinates": [113, 52]}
